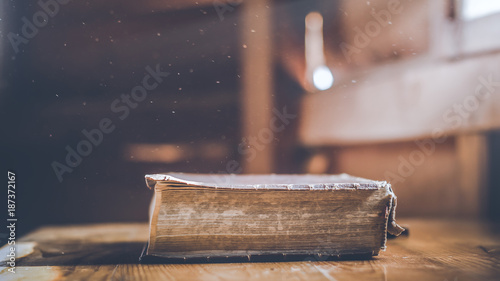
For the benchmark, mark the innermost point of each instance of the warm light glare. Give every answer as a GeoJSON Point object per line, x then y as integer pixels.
{"type": "Point", "coordinates": [322, 78]}
{"type": "Point", "coordinates": [473, 9]}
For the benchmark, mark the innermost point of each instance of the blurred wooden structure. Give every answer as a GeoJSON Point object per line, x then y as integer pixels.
{"type": "Point", "coordinates": [413, 105]}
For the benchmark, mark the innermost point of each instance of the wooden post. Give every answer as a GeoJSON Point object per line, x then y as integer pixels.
{"type": "Point", "coordinates": [257, 75]}
{"type": "Point", "coordinates": [472, 153]}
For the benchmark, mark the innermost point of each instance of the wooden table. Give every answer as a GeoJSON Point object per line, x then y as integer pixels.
{"type": "Point", "coordinates": [435, 250]}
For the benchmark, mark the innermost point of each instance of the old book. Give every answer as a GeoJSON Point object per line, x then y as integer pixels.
{"type": "Point", "coordinates": [196, 216]}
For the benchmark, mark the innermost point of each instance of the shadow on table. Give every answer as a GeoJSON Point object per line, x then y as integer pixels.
{"type": "Point", "coordinates": [67, 253]}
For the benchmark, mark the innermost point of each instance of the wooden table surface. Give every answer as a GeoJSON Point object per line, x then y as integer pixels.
{"type": "Point", "coordinates": [434, 250]}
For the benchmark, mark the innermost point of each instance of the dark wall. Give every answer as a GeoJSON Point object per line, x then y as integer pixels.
{"type": "Point", "coordinates": [65, 79]}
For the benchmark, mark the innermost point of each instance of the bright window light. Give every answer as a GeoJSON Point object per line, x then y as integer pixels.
{"type": "Point", "coordinates": [473, 9]}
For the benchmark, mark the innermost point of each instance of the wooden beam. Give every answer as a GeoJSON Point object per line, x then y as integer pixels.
{"type": "Point", "coordinates": [472, 154]}
{"type": "Point", "coordinates": [256, 100]}
{"type": "Point", "coordinates": [406, 101]}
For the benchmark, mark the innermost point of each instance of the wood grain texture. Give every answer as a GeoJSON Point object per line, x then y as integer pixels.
{"type": "Point", "coordinates": [435, 250]}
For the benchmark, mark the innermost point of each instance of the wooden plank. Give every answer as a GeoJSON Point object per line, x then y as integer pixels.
{"type": "Point", "coordinates": [435, 250]}
{"type": "Point", "coordinates": [406, 101]}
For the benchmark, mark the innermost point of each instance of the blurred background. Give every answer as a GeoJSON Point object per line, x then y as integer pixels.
{"type": "Point", "coordinates": [96, 94]}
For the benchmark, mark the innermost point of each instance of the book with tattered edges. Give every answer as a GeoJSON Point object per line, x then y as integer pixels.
{"type": "Point", "coordinates": [214, 217]}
